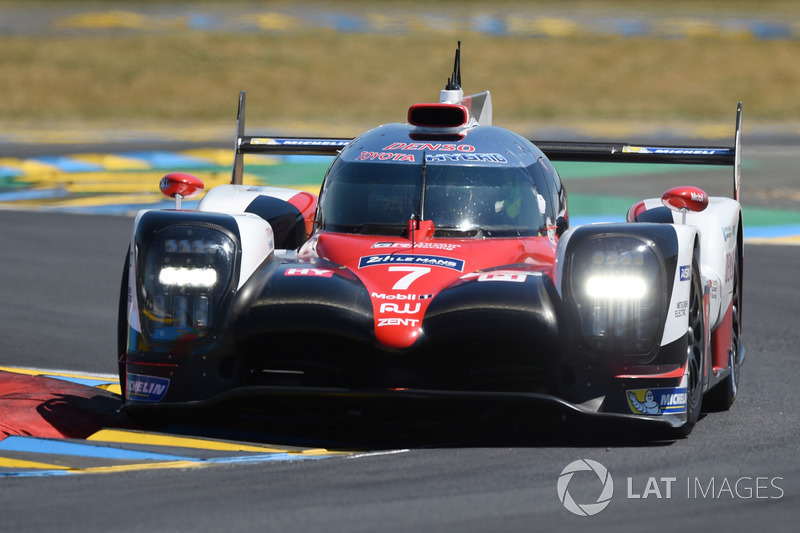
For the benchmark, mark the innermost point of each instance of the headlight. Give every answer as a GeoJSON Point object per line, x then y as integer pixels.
{"type": "Point", "coordinates": [187, 274]}
{"type": "Point", "coordinates": [617, 285]}
{"type": "Point", "coordinates": [613, 287]}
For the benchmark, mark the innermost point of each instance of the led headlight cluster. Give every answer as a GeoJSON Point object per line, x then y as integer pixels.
{"type": "Point", "coordinates": [187, 274]}
{"type": "Point", "coordinates": [617, 285]}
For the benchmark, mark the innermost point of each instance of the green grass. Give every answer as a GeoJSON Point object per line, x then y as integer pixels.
{"type": "Point", "coordinates": [322, 77]}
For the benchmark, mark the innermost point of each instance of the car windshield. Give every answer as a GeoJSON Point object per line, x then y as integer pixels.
{"type": "Point", "coordinates": [462, 201]}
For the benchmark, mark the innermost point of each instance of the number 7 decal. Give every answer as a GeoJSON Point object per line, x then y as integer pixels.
{"type": "Point", "coordinates": [414, 273]}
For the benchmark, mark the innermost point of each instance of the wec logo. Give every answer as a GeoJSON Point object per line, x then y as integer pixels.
{"type": "Point", "coordinates": [586, 509]}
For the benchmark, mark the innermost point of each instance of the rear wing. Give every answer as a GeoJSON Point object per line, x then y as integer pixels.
{"type": "Point", "coordinates": [595, 152]}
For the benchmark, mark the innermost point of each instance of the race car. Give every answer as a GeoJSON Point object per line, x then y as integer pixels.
{"type": "Point", "coordinates": [437, 262]}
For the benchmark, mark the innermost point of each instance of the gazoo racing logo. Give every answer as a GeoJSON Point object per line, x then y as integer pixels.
{"type": "Point", "coordinates": [419, 245]}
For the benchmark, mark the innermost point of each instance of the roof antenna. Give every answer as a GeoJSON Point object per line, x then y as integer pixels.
{"type": "Point", "coordinates": [423, 185]}
{"type": "Point", "coordinates": [454, 83]}
{"type": "Point", "coordinates": [419, 215]}
{"type": "Point", "coordinates": [452, 93]}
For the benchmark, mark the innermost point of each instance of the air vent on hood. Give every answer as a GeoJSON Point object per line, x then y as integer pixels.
{"type": "Point", "coordinates": [438, 115]}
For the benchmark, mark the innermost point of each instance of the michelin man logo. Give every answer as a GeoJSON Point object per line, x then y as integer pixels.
{"type": "Point", "coordinates": [586, 509]}
{"type": "Point", "coordinates": [658, 401]}
{"type": "Point", "coordinates": [648, 407]}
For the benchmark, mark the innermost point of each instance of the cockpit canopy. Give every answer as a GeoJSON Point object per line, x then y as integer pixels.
{"type": "Point", "coordinates": [492, 194]}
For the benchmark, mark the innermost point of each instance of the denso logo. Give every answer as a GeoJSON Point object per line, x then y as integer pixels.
{"type": "Point", "coordinates": [381, 296]}
{"type": "Point", "coordinates": [431, 147]}
{"type": "Point", "coordinates": [405, 310]}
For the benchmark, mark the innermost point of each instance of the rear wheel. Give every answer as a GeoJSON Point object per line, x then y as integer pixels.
{"type": "Point", "coordinates": [722, 396]}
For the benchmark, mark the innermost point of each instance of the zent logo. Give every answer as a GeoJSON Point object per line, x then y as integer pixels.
{"type": "Point", "coordinates": [397, 322]}
{"type": "Point", "coordinates": [586, 509]}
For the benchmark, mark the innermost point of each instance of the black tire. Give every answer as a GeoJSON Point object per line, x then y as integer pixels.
{"type": "Point", "coordinates": [723, 394]}
{"type": "Point", "coordinates": [122, 326]}
{"type": "Point", "coordinates": [695, 353]}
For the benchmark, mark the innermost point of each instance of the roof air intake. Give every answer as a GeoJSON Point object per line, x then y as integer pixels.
{"type": "Point", "coordinates": [438, 115]}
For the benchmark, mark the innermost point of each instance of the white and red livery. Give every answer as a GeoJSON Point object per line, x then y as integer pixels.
{"type": "Point", "coordinates": [438, 262]}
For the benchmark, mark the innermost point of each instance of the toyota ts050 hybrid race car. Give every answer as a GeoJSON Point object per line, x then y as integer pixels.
{"type": "Point", "coordinates": [437, 262]}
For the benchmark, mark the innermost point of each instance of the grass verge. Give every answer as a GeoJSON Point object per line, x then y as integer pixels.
{"type": "Point", "coordinates": [324, 77]}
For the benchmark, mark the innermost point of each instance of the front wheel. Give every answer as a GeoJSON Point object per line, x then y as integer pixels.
{"type": "Point", "coordinates": [695, 354]}
{"type": "Point", "coordinates": [122, 327]}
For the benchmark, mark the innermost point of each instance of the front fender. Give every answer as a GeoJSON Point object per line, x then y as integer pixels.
{"type": "Point", "coordinates": [625, 287]}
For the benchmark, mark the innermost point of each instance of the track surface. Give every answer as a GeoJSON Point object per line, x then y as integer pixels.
{"type": "Point", "coordinates": [60, 276]}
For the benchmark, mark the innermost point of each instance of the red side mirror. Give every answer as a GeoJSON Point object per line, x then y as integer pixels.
{"type": "Point", "coordinates": [179, 185]}
{"type": "Point", "coordinates": [680, 198]}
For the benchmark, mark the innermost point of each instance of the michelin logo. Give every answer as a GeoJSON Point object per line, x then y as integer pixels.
{"type": "Point", "coordinates": [661, 401]}
{"type": "Point", "coordinates": [146, 388]}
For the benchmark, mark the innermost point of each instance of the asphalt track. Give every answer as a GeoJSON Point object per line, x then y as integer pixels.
{"type": "Point", "coordinates": [738, 470]}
